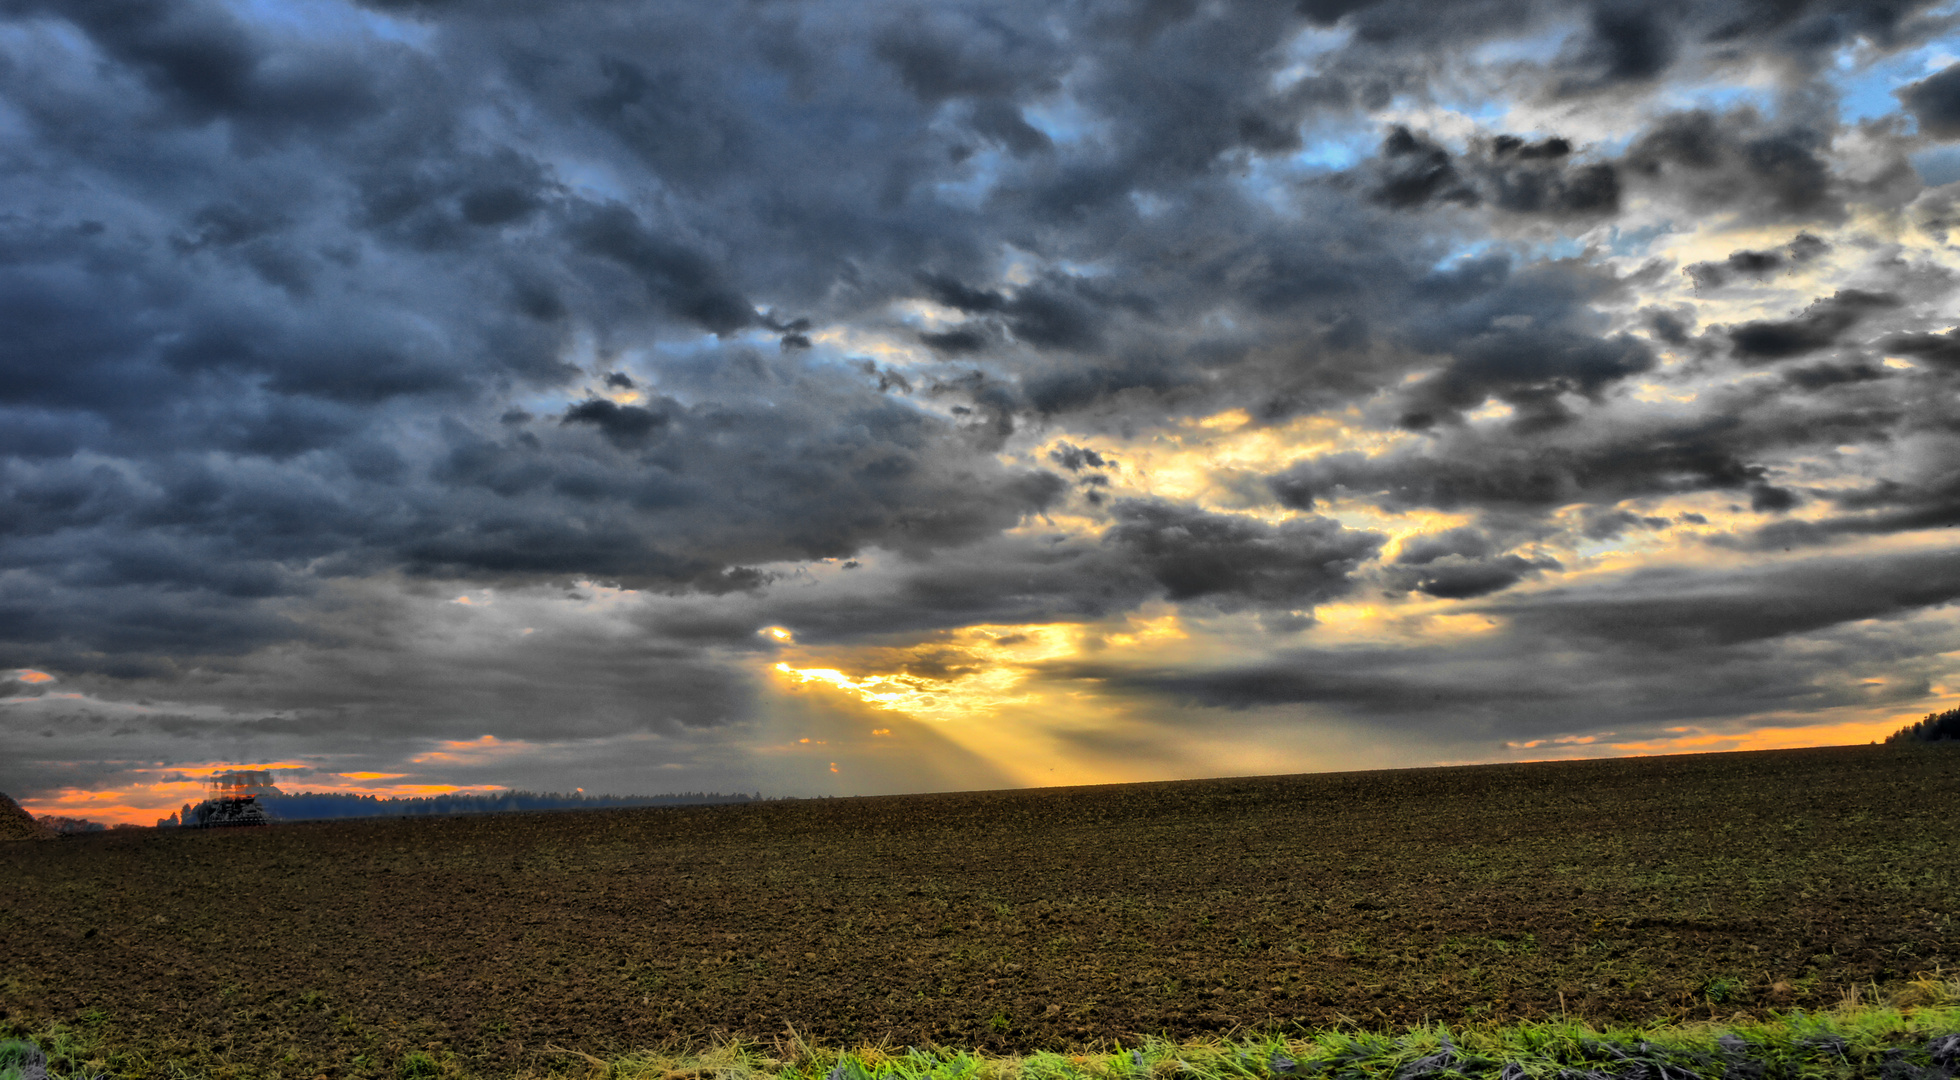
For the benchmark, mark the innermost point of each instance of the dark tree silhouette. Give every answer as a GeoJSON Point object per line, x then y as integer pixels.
{"type": "Point", "coordinates": [1937, 727]}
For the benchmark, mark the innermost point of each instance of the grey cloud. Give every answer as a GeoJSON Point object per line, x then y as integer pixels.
{"type": "Point", "coordinates": [1928, 497]}
{"type": "Point", "coordinates": [202, 64]}
{"type": "Point", "coordinates": [1943, 349]}
{"type": "Point", "coordinates": [1428, 547]}
{"type": "Point", "coordinates": [1823, 375]}
{"type": "Point", "coordinates": [1530, 179]}
{"type": "Point", "coordinates": [1417, 171]}
{"type": "Point", "coordinates": [953, 56]}
{"type": "Point", "coordinates": [1153, 550]}
{"type": "Point", "coordinates": [1455, 577]}
{"type": "Point", "coordinates": [1935, 101]}
{"type": "Point", "coordinates": [1506, 172]}
{"type": "Point", "coordinates": [1604, 523]}
{"type": "Point", "coordinates": [967, 338]}
{"type": "Point", "coordinates": [1627, 43]}
{"type": "Point", "coordinates": [1077, 458]}
{"type": "Point", "coordinates": [1735, 161]}
{"type": "Point", "coordinates": [1595, 651]}
{"type": "Point", "coordinates": [1673, 610]}
{"type": "Point", "coordinates": [1523, 336]}
{"type": "Point", "coordinates": [1239, 561]}
{"type": "Point", "coordinates": [623, 425]}
{"type": "Point", "coordinates": [1627, 48]}
{"type": "Point", "coordinates": [1818, 327]}
{"type": "Point", "coordinates": [1458, 564]}
{"type": "Point", "coordinates": [1757, 265]}
{"type": "Point", "coordinates": [1516, 472]}
{"type": "Point", "coordinates": [684, 281]}
{"type": "Point", "coordinates": [1527, 368]}
{"type": "Point", "coordinates": [1482, 694]}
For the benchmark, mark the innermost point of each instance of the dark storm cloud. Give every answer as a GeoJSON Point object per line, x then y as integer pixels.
{"type": "Point", "coordinates": [1757, 265]}
{"type": "Point", "coordinates": [623, 425]}
{"type": "Point", "coordinates": [1154, 550]}
{"type": "Point", "coordinates": [1737, 162]}
{"type": "Point", "coordinates": [1627, 48]}
{"type": "Point", "coordinates": [1507, 172]}
{"type": "Point", "coordinates": [1935, 102]}
{"type": "Point", "coordinates": [1674, 610]}
{"type": "Point", "coordinates": [1237, 561]}
{"type": "Point", "coordinates": [1418, 171]}
{"type": "Point", "coordinates": [1515, 471]}
{"type": "Point", "coordinates": [443, 292]}
{"type": "Point", "coordinates": [1484, 693]}
{"type": "Point", "coordinates": [201, 64]}
{"type": "Point", "coordinates": [1818, 327]}
{"type": "Point", "coordinates": [1523, 335]}
{"type": "Point", "coordinates": [1941, 349]}
{"type": "Point", "coordinates": [685, 282]}
{"type": "Point", "coordinates": [1077, 458]}
{"type": "Point", "coordinates": [1626, 43]}
{"type": "Point", "coordinates": [1459, 564]}
{"type": "Point", "coordinates": [1592, 653]}
{"type": "Point", "coordinates": [1927, 498]}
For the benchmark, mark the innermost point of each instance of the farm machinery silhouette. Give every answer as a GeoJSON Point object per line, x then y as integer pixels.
{"type": "Point", "coordinates": [232, 800]}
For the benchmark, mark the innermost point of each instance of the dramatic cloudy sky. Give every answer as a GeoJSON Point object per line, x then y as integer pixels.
{"type": "Point", "coordinates": [814, 397]}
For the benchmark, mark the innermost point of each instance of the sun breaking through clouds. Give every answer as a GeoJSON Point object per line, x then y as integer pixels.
{"type": "Point", "coordinates": [837, 398]}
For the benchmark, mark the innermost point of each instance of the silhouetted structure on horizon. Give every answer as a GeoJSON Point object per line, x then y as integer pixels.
{"type": "Point", "coordinates": [232, 799]}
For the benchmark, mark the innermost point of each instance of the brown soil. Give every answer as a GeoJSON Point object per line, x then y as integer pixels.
{"type": "Point", "coordinates": [1637, 889]}
{"type": "Point", "coordinates": [18, 824]}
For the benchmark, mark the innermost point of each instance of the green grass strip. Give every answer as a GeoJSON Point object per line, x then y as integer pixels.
{"type": "Point", "coordinates": [1916, 1036]}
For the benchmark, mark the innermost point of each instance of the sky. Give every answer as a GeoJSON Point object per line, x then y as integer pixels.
{"type": "Point", "coordinates": [817, 398]}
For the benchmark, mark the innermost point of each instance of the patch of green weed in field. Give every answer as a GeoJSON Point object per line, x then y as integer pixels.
{"type": "Point", "coordinates": [1722, 990]}
{"type": "Point", "coordinates": [1915, 1035]}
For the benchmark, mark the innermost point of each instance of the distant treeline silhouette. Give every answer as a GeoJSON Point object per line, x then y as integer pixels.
{"type": "Point", "coordinates": [308, 806]}
{"type": "Point", "coordinates": [68, 826]}
{"type": "Point", "coordinates": [320, 806]}
{"type": "Point", "coordinates": [1937, 727]}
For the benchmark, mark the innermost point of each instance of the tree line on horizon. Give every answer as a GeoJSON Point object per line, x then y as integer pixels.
{"type": "Point", "coordinates": [325, 806]}
{"type": "Point", "coordinates": [1936, 727]}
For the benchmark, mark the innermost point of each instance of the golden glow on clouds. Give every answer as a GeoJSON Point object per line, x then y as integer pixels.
{"type": "Point", "coordinates": [1144, 630]}
{"type": "Point", "coordinates": [30, 676]}
{"type": "Point", "coordinates": [969, 672]}
{"type": "Point", "coordinates": [476, 751]}
{"type": "Point", "coordinates": [1491, 411]}
{"type": "Point", "coordinates": [1201, 459]}
{"type": "Point", "coordinates": [981, 693]}
{"type": "Point", "coordinates": [1411, 619]}
{"type": "Point", "coordinates": [1654, 393]}
{"type": "Point", "coordinates": [1189, 462]}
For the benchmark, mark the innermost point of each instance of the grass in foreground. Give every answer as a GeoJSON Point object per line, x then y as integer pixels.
{"type": "Point", "coordinates": [1914, 1036]}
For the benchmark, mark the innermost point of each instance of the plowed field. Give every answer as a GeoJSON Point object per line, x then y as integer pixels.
{"type": "Point", "coordinates": [1617, 890]}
